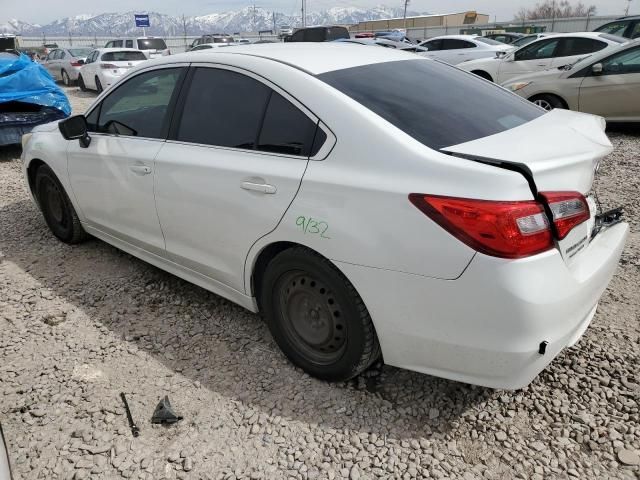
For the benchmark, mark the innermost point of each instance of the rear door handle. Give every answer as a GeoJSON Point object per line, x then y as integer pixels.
{"type": "Point", "coordinates": [258, 187]}
{"type": "Point", "coordinates": [140, 169]}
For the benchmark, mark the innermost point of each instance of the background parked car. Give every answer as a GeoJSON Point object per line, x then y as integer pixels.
{"type": "Point", "coordinates": [64, 63]}
{"type": "Point", "coordinates": [152, 47]}
{"type": "Point", "coordinates": [47, 47]}
{"type": "Point", "coordinates": [548, 52]}
{"type": "Point", "coordinates": [527, 39]}
{"type": "Point", "coordinates": [383, 42]}
{"type": "Point", "coordinates": [106, 65]}
{"type": "Point", "coordinates": [628, 27]}
{"type": "Point", "coordinates": [212, 38]}
{"type": "Point", "coordinates": [318, 34]}
{"type": "Point", "coordinates": [505, 37]}
{"type": "Point", "coordinates": [455, 49]}
{"type": "Point", "coordinates": [285, 31]}
{"type": "Point", "coordinates": [606, 83]}
{"type": "Point", "coordinates": [208, 46]}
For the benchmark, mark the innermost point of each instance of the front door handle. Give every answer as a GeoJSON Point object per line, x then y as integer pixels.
{"type": "Point", "coordinates": [140, 169]}
{"type": "Point", "coordinates": [258, 187]}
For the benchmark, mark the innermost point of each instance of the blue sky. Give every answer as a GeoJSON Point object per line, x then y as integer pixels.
{"type": "Point", "coordinates": [44, 11]}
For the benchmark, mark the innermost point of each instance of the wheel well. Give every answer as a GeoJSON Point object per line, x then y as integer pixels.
{"type": "Point", "coordinates": [562, 100]}
{"type": "Point", "coordinates": [483, 74]}
{"type": "Point", "coordinates": [264, 257]}
{"type": "Point", "coordinates": [35, 164]}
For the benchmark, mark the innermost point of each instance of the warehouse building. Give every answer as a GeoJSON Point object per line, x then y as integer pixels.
{"type": "Point", "coordinates": [423, 21]}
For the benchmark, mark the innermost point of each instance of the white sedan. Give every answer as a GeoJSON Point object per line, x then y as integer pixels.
{"type": "Point", "coordinates": [366, 213]}
{"type": "Point", "coordinates": [455, 49]}
{"type": "Point", "coordinates": [104, 66]}
{"type": "Point", "coordinates": [546, 52]}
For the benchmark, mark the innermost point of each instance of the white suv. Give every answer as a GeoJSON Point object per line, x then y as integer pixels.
{"type": "Point", "coordinates": [152, 47]}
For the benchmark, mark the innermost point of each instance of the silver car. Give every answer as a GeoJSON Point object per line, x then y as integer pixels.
{"type": "Point", "coordinates": [64, 63]}
{"type": "Point", "coordinates": [606, 84]}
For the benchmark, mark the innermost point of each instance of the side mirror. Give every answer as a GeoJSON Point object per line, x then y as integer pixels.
{"type": "Point", "coordinates": [597, 69]}
{"type": "Point", "coordinates": [75, 128]}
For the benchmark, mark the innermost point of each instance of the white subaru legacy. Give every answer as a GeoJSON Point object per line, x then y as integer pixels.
{"type": "Point", "coordinates": [370, 204]}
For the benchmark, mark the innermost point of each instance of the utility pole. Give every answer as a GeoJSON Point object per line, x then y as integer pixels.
{"type": "Point", "coordinates": [304, 13]}
{"type": "Point", "coordinates": [406, 2]}
{"type": "Point", "coordinates": [184, 31]}
{"type": "Point", "coordinates": [626, 12]}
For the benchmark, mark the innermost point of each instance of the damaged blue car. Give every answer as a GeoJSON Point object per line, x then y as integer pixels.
{"type": "Point", "coordinates": [29, 97]}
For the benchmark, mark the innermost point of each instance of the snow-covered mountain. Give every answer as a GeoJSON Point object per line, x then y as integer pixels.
{"type": "Point", "coordinates": [248, 19]}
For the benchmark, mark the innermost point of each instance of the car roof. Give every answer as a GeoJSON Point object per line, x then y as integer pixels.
{"type": "Point", "coordinates": [314, 58]}
{"type": "Point", "coordinates": [120, 49]}
{"type": "Point", "coordinates": [455, 37]}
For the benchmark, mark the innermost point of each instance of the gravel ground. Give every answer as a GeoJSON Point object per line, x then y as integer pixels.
{"type": "Point", "coordinates": [82, 324]}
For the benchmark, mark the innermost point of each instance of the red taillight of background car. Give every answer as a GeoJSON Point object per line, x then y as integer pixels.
{"type": "Point", "coordinates": [76, 64]}
{"type": "Point", "coordinates": [569, 209]}
{"type": "Point", "coordinates": [107, 66]}
{"type": "Point", "coordinates": [505, 229]}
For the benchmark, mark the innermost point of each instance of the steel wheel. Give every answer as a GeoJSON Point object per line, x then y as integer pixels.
{"type": "Point", "coordinates": [312, 318]}
{"type": "Point", "coordinates": [53, 205]}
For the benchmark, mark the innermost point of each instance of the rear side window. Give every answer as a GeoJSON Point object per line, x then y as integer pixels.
{"type": "Point", "coordinates": [433, 45]}
{"type": "Point", "coordinates": [537, 50]}
{"type": "Point", "coordinates": [229, 109]}
{"type": "Point", "coordinates": [298, 36]}
{"type": "Point", "coordinates": [286, 129]}
{"type": "Point", "coordinates": [315, 35]}
{"type": "Point", "coordinates": [223, 108]}
{"type": "Point", "coordinates": [579, 46]}
{"type": "Point", "coordinates": [117, 43]}
{"type": "Point", "coordinates": [124, 56]}
{"type": "Point", "coordinates": [128, 43]}
{"type": "Point", "coordinates": [334, 33]}
{"type": "Point", "coordinates": [432, 111]}
{"type": "Point", "coordinates": [455, 44]}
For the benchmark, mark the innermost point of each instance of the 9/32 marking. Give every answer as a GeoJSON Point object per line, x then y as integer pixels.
{"type": "Point", "coordinates": [313, 226]}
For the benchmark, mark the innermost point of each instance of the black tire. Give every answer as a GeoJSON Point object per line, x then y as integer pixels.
{"type": "Point", "coordinates": [65, 78]}
{"type": "Point", "coordinates": [56, 207]}
{"type": "Point", "coordinates": [316, 316]}
{"type": "Point", "coordinates": [483, 74]}
{"type": "Point", "coordinates": [81, 84]}
{"type": "Point", "coordinates": [98, 85]}
{"type": "Point", "coordinates": [547, 101]}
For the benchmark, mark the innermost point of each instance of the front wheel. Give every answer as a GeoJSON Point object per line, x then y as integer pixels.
{"type": "Point", "coordinates": [548, 102]}
{"type": "Point", "coordinates": [316, 316]}
{"type": "Point", "coordinates": [56, 207]}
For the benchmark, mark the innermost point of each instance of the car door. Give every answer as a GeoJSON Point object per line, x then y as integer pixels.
{"type": "Point", "coordinates": [113, 178]}
{"type": "Point", "coordinates": [232, 166]}
{"type": "Point", "coordinates": [614, 93]}
{"type": "Point", "coordinates": [572, 49]}
{"type": "Point", "coordinates": [52, 62]}
{"type": "Point", "coordinates": [533, 57]}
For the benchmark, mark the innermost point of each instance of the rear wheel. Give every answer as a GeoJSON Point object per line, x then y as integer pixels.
{"type": "Point", "coordinates": [483, 74]}
{"type": "Point", "coordinates": [548, 102]}
{"type": "Point", "coordinates": [81, 84]}
{"type": "Point", "coordinates": [316, 316]}
{"type": "Point", "coordinates": [98, 85]}
{"type": "Point", "coordinates": [56, 207]}
{"type": "Point", "coordinates": [65, 78]}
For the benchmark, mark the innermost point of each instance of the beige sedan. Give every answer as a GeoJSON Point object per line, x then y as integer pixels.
{"type": "Point", "coordinates": [606, 84]}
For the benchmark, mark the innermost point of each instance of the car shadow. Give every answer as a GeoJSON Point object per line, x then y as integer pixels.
{"type": "Point", "coordinates": [624, 128]}
{"type": "Point", "coordinates": [225, 348]}
{"type": "Point", "coordinates": [10, 152]}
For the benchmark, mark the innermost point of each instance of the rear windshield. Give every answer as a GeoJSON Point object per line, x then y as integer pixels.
{"type": "Point", "coordinates": [151, 44]}
{"type": "Point", "coordinates": [126, 56]}
{"type": "Point", "coordinates": [614, 38]}
{"type": "Point", "coordinates": [489, 41]}
{"type": "Point", "coordinates": [80, 52]}
{"type": "Point", "coordinates": [435, 103]}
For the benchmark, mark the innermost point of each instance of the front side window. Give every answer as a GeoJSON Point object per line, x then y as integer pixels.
{"type": "Point", "coordinates": [229, 109]}
{"type": "Point", "coordinates": [635, 31]}
{"type": "Point", "coordinates": [431, 111]}
{"type": "Point", "coordinates": [537, 51]}
{"type": "Point", "coordinates": [139, 107]}
{"type": "Point", "coordinates": [622, 63]}
{"type": "Point", "coordinates": [614, 28]}
{"type": "Point", "coordinates": [129, 44]}
{"type": "Point", "coordinates": [433, 45]}
{"type": "Point", "coordinates": [315, 35]}
{"type": "Point", "coordinates": [117, 43]}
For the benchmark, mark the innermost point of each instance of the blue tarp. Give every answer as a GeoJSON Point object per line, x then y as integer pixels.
{"type": "Point", "coordinates": [22, 80]}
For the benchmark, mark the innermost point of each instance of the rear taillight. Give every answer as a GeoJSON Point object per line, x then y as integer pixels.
{"type": "Point", "coordinates": [76, 64]}
{"type": "Point", "coordinates": [568, 208]}
{"type": "Point", "coordinates": [505, 229]}
{"type": "Point", "coordinates": [107, 66]}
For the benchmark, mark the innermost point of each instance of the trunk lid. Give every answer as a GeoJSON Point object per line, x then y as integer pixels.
{"type": "Point", "coordinates": [560, 149]}
{"type": "Point", "coordinates": [123, 66]}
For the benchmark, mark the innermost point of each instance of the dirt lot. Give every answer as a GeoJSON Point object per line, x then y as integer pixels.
{"type": "Point", "coordinates": [81, 324]}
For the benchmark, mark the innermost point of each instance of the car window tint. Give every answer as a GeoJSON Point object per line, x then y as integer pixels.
{"type": "Point", "coordinates": [315, 35]}
{"type": "Point", "coordinates": [635, 31]}
{"type": "Point", "coordinates": [625, 62]}
{"type": "Point", "coordinates": [223, 108]}
{"type": "Point", "coordinates": [286, 129]}
{"type": "Point", "coordinates": [129, 43]}
{"type": "Point", "coordinates": [455, 44]}
{"type": "Point", "coordinates": [139, 106]}
{"type": "Point", "coordinates": [537, 50]}
{"type": "Point", "coordinates": [614, 28]}
{"type": "Point", "coordinates": [124, 56]}
{"type": "Point", "coordinates": [117, 43]}
{"type": "Point", "coordinates": [298, 36]}
{"type": "Point", "coordinates": [334, 33]}
{"type": "Point", "coordinates": [431, 111]}
{"type": "Point", "coordinates": [433, 45]}
{"type": "Point", "coordinates": [579, 46]}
